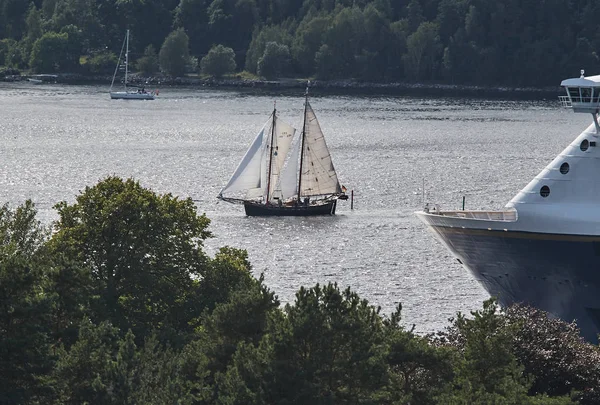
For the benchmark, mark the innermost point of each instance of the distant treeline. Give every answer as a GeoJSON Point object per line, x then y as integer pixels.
{"type": "Point", "coordinates": [475, 42]}
{"type": "Point", "coordinates": [119, 304]}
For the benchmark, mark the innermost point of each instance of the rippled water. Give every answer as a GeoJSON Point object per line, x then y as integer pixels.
{"type": "Point", "coordinates": [56, 140]}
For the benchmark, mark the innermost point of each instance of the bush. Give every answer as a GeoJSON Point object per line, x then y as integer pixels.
{"type": "Point", "coordinates": [148, 64]}
{"type": "Point", "coordinates": [174, 53]}
{"type": "Point", "coordinates": [274, 61]}
{"type": "Point", "coordinates": [219, 61]}
{"type": "Point", "coordinates": [102, 62]}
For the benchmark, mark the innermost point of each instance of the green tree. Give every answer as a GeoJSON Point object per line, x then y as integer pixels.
{"type": "Point", "coordinates": [419, 370]}
{"type": "Point", "coordinates": [489, 371]}
{"type": "Point", "coordinates": [143, 252]}
{"type": "Point", "coordinates": [553, 352]}
{"type": "Point", "coordinates": [148, 64]}
{"type": "Point", "coordinates": [34, 24]}
{"type": "Point", "coordinates": [25, 344]}
{"type": "Point", "coordinates": [191, 15]}
{"type": "Point", "coordinates": [423, 48]}
{"type": "Point", "coordinates": [103, 62]}
{"type": "Point", "coordinates": [307, 41]}
{"type": "Point", "coordinates": [274, 61]}
{"type": "Point", "coordinates": [327, 349]}
{"type": "Point", "coordinates": [49, 52]}
{"type": "Point", "coordinates": [260, 38]}
{"type": "Point", "coordinates": [174, 53]}
{"type": "Point", "coordinates": [74, 48]}
{"type": "Point", "coordinates": [219, 61]}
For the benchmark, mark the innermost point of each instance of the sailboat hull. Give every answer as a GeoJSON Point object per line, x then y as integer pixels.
{"type": "Point", "coordinates": [122, 95]}
{"type": "Point", "coordinates": [262, 210]}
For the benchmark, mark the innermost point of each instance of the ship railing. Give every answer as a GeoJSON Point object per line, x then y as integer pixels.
{"type": "Point", "coordinates": [483, 215]}
{"type": "Point", "coordinates": [581, 103]}
{"type": "Point", "coordinates": [565, 101]}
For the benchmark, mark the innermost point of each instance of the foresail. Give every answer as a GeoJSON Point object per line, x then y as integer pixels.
{"type": "Point", "coordinates": [282, 139]}
{"type": "Point", "coordinates": [318, 174]}
{"type": "Point", "coordinates": [248, 175]}
{"type": "Point", "coordinates": [288, 180]}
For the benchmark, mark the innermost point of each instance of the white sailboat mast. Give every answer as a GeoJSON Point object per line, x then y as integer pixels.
{"type": "Point", "coordinates": [126, 58]}
{"type": "Point", "coordinates": [302, 143]}
{"type": "Point", "coordinates": [270, 166]}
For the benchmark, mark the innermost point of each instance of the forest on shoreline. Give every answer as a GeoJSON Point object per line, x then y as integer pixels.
{"type": "Point", "coordinates": [516, 43]}
{"type": "Point", "coordinates": [118, 303]}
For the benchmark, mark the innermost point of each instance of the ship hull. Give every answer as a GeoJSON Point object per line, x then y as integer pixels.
{"type": "Point", "coordinates": [558, 273]}
{"type": "Point", "coordinates": [256, 209]}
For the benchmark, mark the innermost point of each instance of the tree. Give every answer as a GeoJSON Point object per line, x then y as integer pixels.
{"type": "Point", "coordinates": [25, 345]}
{"type": "Point", "coordinates": [143, 253]}
{"type": "Point", "coordinates": [489, 371]}
{"type": "Point", "coordinates": [274, 61]}
{"type": "Point", "coordinates": [49, 52]}
{"type": "Point", "coordinates": [103, 62]}
{"type": "Point", "coordinates": [307, 41]}
{"type": "Point", "coordinates": [423, 48]}
{"type": "Point", "coordinates": [329, 348]}
{"type": "Point", "coordinates": [219, 61]}
{"type": "Point", "coordinates": [174, 53]}
{"type": "Point", "coordinates": [148, 64]}
{"type": "Point", "coordinates": [260, 38]}
{"type": "Point", "coordinates": [191, 15]}
{"type": "Point", "coordinates": [553, 352]}
{"type": "Point", "coordinates": [74, 47]}
{"type": "Point", "coordinates": [34, 24]}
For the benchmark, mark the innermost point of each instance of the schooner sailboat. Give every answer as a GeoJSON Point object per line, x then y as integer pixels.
{"type": "Point", "coordinates": [128, 93]}
{"type": "Point", "coordinates": [286, 175]}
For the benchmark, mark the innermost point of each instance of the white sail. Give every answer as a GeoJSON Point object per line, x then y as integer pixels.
{"type": "Point", "coordinates": [288, 180]}
{"type": "Point", "coordinates": [318, 175]}
{"type": "Point", "coordinates": [249, 176]}
{"type": "Point", "coordinates": [282, 139]}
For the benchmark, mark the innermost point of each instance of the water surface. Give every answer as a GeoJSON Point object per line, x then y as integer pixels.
{"type": "Point", "coordinates": [56, 140]}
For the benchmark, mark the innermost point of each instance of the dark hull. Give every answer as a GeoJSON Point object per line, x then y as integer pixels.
{"type": "Point", "coordinates": [557, 273]}
{"type": "Point", "coordinates": [263, 210]}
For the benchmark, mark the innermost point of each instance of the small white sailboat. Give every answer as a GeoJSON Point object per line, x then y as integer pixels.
{"type": "Point", "coordinates": [286, 175]}
{"type": "Point", "coordinates": [128, 93]}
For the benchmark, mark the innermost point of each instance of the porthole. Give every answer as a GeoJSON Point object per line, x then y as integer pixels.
{"type": "Point", "coordinates": [545, 191]}
{"type": "Point", "coordinates": [564, 168]}
{"type": "Point", "coordinates": [584, 145]}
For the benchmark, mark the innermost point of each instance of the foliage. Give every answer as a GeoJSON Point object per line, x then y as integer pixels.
{"type": "Point", "coordinates": [274, 61]}
{"type": "Point", "coordinates": [143, 252]}
{"type": "Point", "coordinates": [219, 61]}
{"type": "Point", "coordinates": [120, 305]}
{"type": "Point", "coordinates": [490, 371]}
{"type": "Point", "coordinates": [148, 64]}
{"type": "Point", "coordinates": [25, 345]}
{"type": "Point", "coordinates": [103, 62]}
{"type": "Point", "coordinates": [328, 347]}
{"type": "Point", "coordinates": [260, 38]}
{"type": "Point", "coordinates": [49, 52]}
{"type": "Point", "coordinates": [174, 53]}
{"type": "Point", "coordinates": [103, 367]}
{"type": "Point", "coordinates": [553, 352]}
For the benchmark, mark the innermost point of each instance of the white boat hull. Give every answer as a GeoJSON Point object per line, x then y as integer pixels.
{"type": "Point", "coordinates": [123, 95]}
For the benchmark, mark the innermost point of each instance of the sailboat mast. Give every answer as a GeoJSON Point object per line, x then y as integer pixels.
{"type": "Point", "coordinates": [303, 138]}
{"type": "Point", "coordinates": [126, 58]}
{"type": "Point", "coordinates": [271, 152]}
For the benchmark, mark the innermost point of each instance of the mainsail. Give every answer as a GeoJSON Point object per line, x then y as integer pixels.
{"type": "Point", "coordinates": [283, 134]}
{"type": "Point", "coordinates": [318, 175]}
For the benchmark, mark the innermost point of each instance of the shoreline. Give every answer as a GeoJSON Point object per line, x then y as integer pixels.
{"type": "Point", "coordinates": [346, 85]}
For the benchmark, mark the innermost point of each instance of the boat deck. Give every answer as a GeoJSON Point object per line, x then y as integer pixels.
{"type": "Point", "coordinates": [506, 215]}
